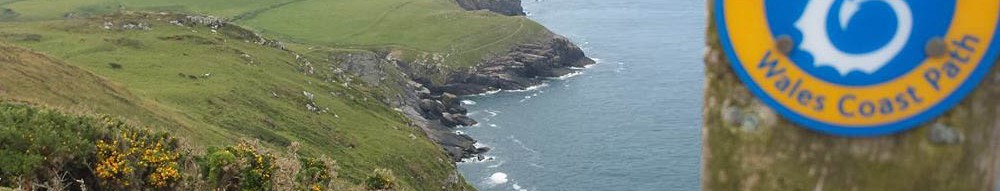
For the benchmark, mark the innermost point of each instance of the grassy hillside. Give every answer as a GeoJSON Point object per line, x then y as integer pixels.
{"type": "Point", "coordinates": [211, 89]}
{"type": "Point", "coordinates": [414, 27]}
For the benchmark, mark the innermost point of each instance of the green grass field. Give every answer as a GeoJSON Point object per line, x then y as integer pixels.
{"type": "Point", "coordinates": [412, 26]}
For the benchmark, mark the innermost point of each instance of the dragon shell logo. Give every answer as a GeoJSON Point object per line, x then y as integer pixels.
{"type": "Point", "coordinates": [860, 67]}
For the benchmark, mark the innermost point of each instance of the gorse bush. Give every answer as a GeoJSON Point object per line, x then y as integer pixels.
{"type": "Point", "coordinates": [48, 150]}
{"type": "Point", "coordinates": [38, 146]}
{"type": "Point", "coordinates": [380, 179]}
{"type": "Point", "coordinates": [315, 173]}
{"type": "Point", "coordinates": [41, 148]}
{"type": "Point", "coordinates": [133, 159]}
{"type": "Point", "coordinates": [244, 166]}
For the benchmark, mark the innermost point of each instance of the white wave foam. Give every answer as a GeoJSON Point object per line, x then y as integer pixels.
{"type": "Point", "coordinates": [486, 158]}
{"type": "Point", "coordinates": [518, 187]}
{"type": "Point", "coordinates": [519, 143]}
{"type": "Point", "coordinates": [493, 113]}
{"type": "Point", "coordinates": [497, 179]}
{"type": "Point", "coordinates": [468, 102]}
{"type": "Point", "coordinates": [491, 92]}
{"type": "Point", "coordinates": [479, 145]}
{"type": "Point", "coordinates": [459, 133]}
{"type": "Point", "coordinates": [567, 76]}
{"type": "Point", "coordinates": [536, 165]}
{"type": "Point", "coordinates": [532, 88]}
{"type": "Point", "coordinates": [495, 165]}
{"type": "Point", "coordinates": [621, 67]}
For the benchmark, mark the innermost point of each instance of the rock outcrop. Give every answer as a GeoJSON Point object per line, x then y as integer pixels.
{"type": "Point", "coordinates": [435, 105]}
{"type": "Point", "coordinates": [524, 66]}
{"type": "Point", "coordinates": [505, 7]}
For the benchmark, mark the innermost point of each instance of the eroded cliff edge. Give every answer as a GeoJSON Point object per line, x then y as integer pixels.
{"type": "Point", "coordinates": [429, 94]}
{"type": "Point", "coordinates": [747, 146]}
{"type": "Point", "coordinates": [505, 7]}
{"type": "Point", "coordinates": [435, 106]}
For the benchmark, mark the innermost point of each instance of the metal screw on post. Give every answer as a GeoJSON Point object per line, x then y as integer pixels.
{"type": "Point", "coordinates": [936, 47]}
{"type": "Point", "coordinates": [784, 44]}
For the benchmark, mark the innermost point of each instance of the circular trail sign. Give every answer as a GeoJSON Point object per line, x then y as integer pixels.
{"type": "Point", "coordinates": [860, 67]}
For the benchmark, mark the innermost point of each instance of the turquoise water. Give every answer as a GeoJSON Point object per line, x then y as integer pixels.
{"type": "Point", "coordinates": [631, 122]}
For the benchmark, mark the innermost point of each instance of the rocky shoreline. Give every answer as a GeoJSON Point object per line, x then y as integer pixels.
{"type": "Point", "coordinates": [436, 107]}
{"type": "Point", "coordinates": [439, 110]}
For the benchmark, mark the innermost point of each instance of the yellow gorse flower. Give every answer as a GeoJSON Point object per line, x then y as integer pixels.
{"type": "Point", "coordinates": [120, 157]}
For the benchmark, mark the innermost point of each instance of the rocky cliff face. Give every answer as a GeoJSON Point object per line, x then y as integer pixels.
{"type": "Point", "coordinates": [748, 147]}
{"type": "Point", "coordinates": [505, 7]}
{"type": "Point", "coordinates": [436, 107]}
{"type": "Point", "coordinates": [524, 66]}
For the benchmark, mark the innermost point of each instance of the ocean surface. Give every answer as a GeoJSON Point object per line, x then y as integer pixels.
{"type": "Point", "coordinates": [630, 122]}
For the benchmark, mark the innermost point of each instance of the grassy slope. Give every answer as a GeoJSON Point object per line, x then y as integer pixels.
{"type": "Point", "coordinates": [412, 26]}
{"type": "Point", "coordinates": [236, 101]}
{"type": "Point", "coordinates": [431, 26]}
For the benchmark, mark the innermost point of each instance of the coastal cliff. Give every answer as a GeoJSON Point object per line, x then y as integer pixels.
{"type": "Point", "coordinates": [429, 94]}
{"type": "Point", "coordinates": [747, 146]}
{"type": "Point", "coordinates": [524, 66]}
{"type": "Point", "coordinates": [434, 105]}
{"type": "Point", "coordinates": [505, 7]}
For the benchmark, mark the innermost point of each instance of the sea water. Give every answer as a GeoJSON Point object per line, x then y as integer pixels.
{"type": "Point", "coordinates": [630, 122]}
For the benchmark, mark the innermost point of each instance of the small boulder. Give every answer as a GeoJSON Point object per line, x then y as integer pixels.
{"type": "Point", "coordinates": [458, 109]}
{"type": "Point", "coordinates": [431, 108]}
{"type": "Point", "coordinates": [481, 150]}
{"type": "Point", "coordinates": [424, 93]}
{"type": "Point", "coordinates": [449, 99]}
{"type": "Point", "coordinates": [452, 120]}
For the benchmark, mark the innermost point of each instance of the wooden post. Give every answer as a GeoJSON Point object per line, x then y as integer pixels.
{"type": "Point", "coordinates": [747, 146]}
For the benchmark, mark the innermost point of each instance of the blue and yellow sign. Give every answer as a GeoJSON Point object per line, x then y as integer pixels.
{"type": "Point", "coordinates": [860, 67]}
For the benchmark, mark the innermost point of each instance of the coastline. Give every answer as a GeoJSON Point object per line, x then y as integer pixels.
{"type": "Point", "coordinates": [437, 107]}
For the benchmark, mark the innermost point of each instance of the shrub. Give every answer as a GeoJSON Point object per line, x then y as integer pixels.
{"type": "Point", "coordinates": [38, 145]}
{"type": "Point", "coordinates": [43, 145]}
{"type": "Point", "coordinates": [133, 159]}
{"type": "Point", "coordinates": [380, 179]}
{"type": "Point", "coordinates": [241, 167]}
{"type": "Point", "coordinates": [315, 173]}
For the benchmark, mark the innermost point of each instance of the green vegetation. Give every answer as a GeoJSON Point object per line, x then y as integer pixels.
{"type": "Point", "coordinates": [380, 179]}
{"type": "Point", "coordinates": [414, 27]}
{"type": "Point", "coordinates": [239, 167]}
{"type": "Point", "coordinates": [52, 150]}
{"type": "Point", "coordinates": [46, 149]}
{"type": "Point", "coordinates": [212, 89]}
